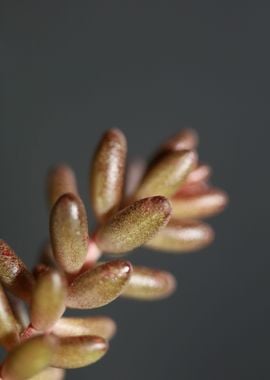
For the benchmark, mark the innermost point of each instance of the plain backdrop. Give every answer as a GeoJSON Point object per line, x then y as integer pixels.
{"type": "Point", "coordinates": [72, 69]}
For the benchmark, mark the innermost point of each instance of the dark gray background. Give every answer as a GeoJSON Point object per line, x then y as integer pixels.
{"type": "Point", "coordinates": [70, 70]}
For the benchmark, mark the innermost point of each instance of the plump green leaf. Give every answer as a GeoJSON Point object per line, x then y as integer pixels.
{"type": "Point", "coordinates": [29, 358]}
{"type": "Point", "coordinates": [167, 174]}
{"type": "Point", "coordinates": [50, 373]}
{"type": "Point", "coordinates": [134, 225]}
{"type": "Point", "coordinates": [99, 326]}
{"type": "Point", "coordinates": [202, 204]}
{"type": "Point", "coordinates": [48, 301]}
{"type": "Point", "coordinates": [182, 236]}
{"type": "Point", "coordinates": [149, 284]}
{"type": "Point", "coordinates": [79, 351]}
{"type": "Point", "coordinates": [99, 286]}
{"type": "Point", "coordinates": [69, 232]}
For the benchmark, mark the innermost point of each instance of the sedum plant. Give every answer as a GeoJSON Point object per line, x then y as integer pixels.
{"type": "Point", "coordinates": [159, 204]}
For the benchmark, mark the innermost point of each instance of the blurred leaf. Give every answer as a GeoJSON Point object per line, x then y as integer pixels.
{"type": "Point", "coordinates": [9, 326]}
{"type": "Point", "coordinates": [61, 180]}
{"type": "Point", "coordinates": [206, 203]}
{"type": "Point", "coordinates": [186, 139]}
{"type": "Point", "coordinates": [48, 301]}
{"type": "Point", "coordinates": [182, 236]}
{"type": "Point", "coordinates": [149, 284]}
{"type": "Point", "coordinates": [29, 358]}
{"type": "Point", "coordinates": [100, 326]}
{"type": "Point", "coordinates": [201, 173]}
{"type": "Point", "coordinates": [50, 374]}
{"type": "Point", "coordinates": [79, 351]}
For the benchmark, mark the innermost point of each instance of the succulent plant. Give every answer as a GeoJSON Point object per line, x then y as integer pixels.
{"type": "Point", "coordinates": [158, 205]}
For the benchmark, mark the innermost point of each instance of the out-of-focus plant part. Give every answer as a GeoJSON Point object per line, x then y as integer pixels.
{"type": "Point", "coordinates": [98, 325]}
{"type": "Point", "coordinates": [186, 139]}
{"type": "Point", "coordinates": [61, 180]}
{"type": "Point", "coordinates": [182, 236]}
{"type": "Point", "coordinates": [157, 204]}
{"type": "Point", "coordinates": [9, 327]}
{"type": "Point", "coordinates": [50, 373]}
{"type": "Point", "coordinates": [48, 301]}
{"type": "Point", "coordinates": [198, 204]}
{"type": "Point", "coordinates": [149, 284]}
{"type": "Point", "coordinates": [29, 358]}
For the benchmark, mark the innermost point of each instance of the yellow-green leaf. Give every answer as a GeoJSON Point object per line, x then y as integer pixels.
{"type": "Point", "coordinates": [199, 205]}
{"type": "Point", "coordinates": [182, 236]}
{"type": "Point", "coordinates": [134, 225]}
{"type": "Point", "coordinates": [50, 374]}
{"type": "Point", "coordinates": [48, 301]}
{"type": "Point", "coordinates": [79, 351]}
{"type": "Point", "coordinates": [29, 358]}
{"type": "Point", "coordinates": [69, 232]}
{"type": "Point", "coordinates": [149, 284]}
{"type": "Point", "coordinates": [98, 325]}
{"type": "Point", "coordinates": [99, 286]}
{"type": "Point", "coordinates": [167, 174]}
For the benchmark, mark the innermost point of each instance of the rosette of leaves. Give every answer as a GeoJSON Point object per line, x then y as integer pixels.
{"type": "Point", "coordinates": [158, 204]}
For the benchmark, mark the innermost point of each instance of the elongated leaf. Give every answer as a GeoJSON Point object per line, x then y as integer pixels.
{"type": "Point", "coordinates": [69, 232]}
{"type": "Point", "coordinates": [79, 351]}
{"type": "Point", "coordinates": [166, 176]}
{"type": "Point", "coordinates": [107, 174]}
{"type": "Point", "coordinates": [29, 358]}
{"type": "Point", "coordinates": [61, 180]}
{"type": "Point", "coordinates": [9, 326]}
{"type": "Point", "coordinates": [100, 326]}
{"type": "Point", "coordinates": [99, 286]}
{"type": "Point", "coordinates": [134, 225]}
{"type": "Point", "coordinates": [199, 205]}
{"type": "Point", "coordinates": [149, 284]}
{"type": "Point", "coordinates": [182, 236]}
{"type": "Point", "coordinates": [48, 301]}
{"type": "Point", "coordinates": [50, 374]}
{"type": "Point", "coordinates": [13, 273]}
